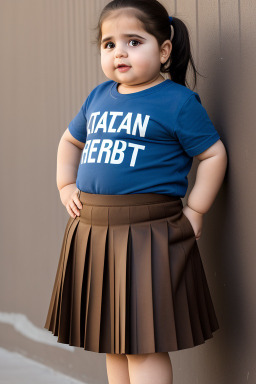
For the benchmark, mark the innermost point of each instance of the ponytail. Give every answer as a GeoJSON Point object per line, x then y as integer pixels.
{"type": "Point", "coordinates": [181, 56]}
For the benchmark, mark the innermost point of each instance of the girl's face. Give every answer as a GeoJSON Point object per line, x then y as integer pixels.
{"type": "Point", "coordinates": [124, 41]}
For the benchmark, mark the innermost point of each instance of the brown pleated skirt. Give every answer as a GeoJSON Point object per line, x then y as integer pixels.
{"type": "Point", "coordinates": [130, 278]}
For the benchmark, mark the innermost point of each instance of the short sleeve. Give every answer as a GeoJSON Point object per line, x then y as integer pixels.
{"type": "Point", "coordinates": [193, 127]}
{"type": "Point", "coordinates": [77, 126]}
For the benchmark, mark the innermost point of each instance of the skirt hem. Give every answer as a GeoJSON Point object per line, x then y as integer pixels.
{"type": "Point", "coordinates": [140, 353]}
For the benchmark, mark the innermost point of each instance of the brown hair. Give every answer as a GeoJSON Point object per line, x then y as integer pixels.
{"type": "Point", "coordinates": [155, 20]}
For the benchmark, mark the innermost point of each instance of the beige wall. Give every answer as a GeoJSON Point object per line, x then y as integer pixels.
{"type": "Point", "coordinates": [48, 67]}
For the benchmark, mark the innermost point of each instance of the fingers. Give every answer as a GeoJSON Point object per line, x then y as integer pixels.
{"type": "Point", "coordinates": [72, 209]}
{"type": "Point", "coordinates": [77, 201]}
{"type": "Point", "coordinates": [74, 205]}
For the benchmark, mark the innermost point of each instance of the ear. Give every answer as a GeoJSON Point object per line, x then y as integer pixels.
{"type": "Point", "coordinates": [165, 51]}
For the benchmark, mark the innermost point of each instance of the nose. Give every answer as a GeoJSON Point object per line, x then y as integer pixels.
{"type": "Point", "coordinates": [120, 51]}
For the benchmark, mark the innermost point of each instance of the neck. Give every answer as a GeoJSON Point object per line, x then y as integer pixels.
{"type": "Point", "coordinates": [124, 88]}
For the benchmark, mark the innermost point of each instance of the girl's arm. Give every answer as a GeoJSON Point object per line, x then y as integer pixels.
{"type": "Point", "coordinates": [209, 177]}
{"type": "Point", "coordinates": [210, 174]}
{"type": "Point", "coordinates": [68, 157]}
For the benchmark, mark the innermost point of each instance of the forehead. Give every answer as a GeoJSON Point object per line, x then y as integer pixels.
{"type": "Point", "coordinates": [121, 21]}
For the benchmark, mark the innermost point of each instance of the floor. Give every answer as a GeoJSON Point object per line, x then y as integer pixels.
{"type": "Point", "coordinates": [18, 369]}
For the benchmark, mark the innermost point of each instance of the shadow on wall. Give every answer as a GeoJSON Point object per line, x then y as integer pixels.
{"type": "Point", "coordinates": [230, 245]}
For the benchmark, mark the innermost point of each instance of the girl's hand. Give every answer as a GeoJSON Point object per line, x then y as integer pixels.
{"type": "Point", "coordinates": [196, 220]}
{"type": "Point", "coordinates": [69, 198]}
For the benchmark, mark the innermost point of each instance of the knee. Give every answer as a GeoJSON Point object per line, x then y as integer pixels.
{"type": "Point", "coordinates": [150, 368]}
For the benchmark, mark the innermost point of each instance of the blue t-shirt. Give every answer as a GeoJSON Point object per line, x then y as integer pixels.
{"type": "Point", "coordinates": [142, 142]}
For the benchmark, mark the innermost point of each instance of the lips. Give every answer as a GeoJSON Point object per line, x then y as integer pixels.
{"type": "Point", "coordinates": [122, 65]}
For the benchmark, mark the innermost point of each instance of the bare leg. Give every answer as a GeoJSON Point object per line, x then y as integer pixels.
{"type": "Point", "coordinates": [117, 369]}
{"type": "Point", "coordinates": [150, 368]}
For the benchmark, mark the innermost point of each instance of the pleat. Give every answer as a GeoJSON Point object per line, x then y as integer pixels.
{"type": "Point", "coordinates": [95, 286]}
{"type": "Point", "coordinates": [66, 288]}
{"type": "Point", "coordinates": [111, 290]}
{"type": "Point", "coordinates": [193, 299]}
{"type": "Point", "coordinates": [51, 323]}
{"type": "Point", "coordinates": [163, 304]}
{"type": "Point", "coordinates": [79, 255]}
{"type": "Point", "coordinates": [193, 306]}
{"type": "Point", "coordinates": [142, 321]}
{"type": "Point", "coordinates": [177, 258]}
{"type": "Point", "coordinates": [120, 240]}
{"type": "Point", "coordinates": [205, 304]}
{"type": "Point", "coordinates": [105, 325]}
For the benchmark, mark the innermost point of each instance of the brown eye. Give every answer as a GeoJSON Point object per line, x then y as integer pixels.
{"type": "Point", "coordinates": [106, 45]}
{"type": "Point", "coordinates": [136, 41]}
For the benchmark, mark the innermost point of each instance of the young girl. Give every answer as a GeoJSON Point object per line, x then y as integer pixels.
{"type": "Point", "coordinates": [130, 281]}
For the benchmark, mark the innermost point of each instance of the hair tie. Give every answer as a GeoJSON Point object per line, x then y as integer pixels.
{"type": "Point", "coordinates": [172, 29]}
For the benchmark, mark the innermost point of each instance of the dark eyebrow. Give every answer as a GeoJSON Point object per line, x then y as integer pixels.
{"type": "Point", "coordinates": [124, 35]}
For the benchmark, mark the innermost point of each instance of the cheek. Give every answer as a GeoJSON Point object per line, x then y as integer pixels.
{"type": "Point", "coordinates": [106, 55]}
{"type": "Point", "coordinates": [104, 60]}
{"type": "Point", "coordinates": [144, 61]}
{"type": "Point", "coordinates": [144, 57]}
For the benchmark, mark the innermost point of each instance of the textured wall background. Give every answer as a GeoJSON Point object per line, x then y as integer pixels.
{"type": "Point", "coordinates": [48, 67]}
